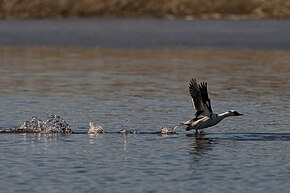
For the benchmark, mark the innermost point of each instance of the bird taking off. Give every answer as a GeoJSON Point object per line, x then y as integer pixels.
{"type": "Point", "coordinates": [204, 116]}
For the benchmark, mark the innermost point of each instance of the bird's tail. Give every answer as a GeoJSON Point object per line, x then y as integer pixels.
{"type": "Point", "coordinates": [186, 122]}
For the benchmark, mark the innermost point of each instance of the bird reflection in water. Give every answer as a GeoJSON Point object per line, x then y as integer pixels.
{"type": "Point", "coordinates": [200, 145]}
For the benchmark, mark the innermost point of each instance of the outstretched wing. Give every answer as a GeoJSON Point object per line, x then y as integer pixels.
{"type": "Point", "coordinates": [204, 95]}
{"type": "Point", "coordinates": [200, 98]}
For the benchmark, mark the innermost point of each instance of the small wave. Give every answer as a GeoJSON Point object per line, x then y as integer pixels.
{"type": "Point", "coordinates": [249, 136]}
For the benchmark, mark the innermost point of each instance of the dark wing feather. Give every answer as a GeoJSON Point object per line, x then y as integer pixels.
{"type": "Point", "coordinates": [200, 98]}
{"type": "Point", "coordinates": [204, 95]}
{"type": "Point", "coordinates": [196, 96]}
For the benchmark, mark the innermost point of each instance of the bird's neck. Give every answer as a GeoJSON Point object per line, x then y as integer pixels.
{"type": "Point", "coordinates": [221, 116]}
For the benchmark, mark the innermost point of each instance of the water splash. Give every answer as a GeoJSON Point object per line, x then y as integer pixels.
{"type": "Point", "coordinates": [35, 125]}
{"type": "Point", "coordinates": [125, 129]}
{"type": "Point", "coordinates": [95, 128]}
{"type": "Point", "coordinates": [58, 124]}
{"type": "Point", "coordinates": [55, 124]}
{"type": "Point", "coordinates": [168, 130]}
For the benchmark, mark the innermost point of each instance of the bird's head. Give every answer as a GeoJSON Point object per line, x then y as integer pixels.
{"type": "Point", "coordinates": [234, 113]}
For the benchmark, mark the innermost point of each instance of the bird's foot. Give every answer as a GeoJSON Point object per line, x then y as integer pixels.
{"type": "Point", "coordinates": [197, 132]}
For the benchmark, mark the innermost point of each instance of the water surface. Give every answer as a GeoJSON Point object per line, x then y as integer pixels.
{"type": "Point", "coordinates": [147, 33]}
{"type": "Point", "coordinates": [149, 88]}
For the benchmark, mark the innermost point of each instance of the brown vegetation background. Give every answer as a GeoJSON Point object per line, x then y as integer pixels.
{"type": "Point", "coordinates": [145, 8]}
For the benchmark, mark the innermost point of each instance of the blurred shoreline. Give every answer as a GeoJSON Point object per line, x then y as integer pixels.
{"type": "Point", "coordinates": [188, 9]}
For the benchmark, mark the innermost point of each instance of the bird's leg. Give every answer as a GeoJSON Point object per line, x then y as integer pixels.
{"type": "Point", "coordinates": [202, 132]}
{"type": "Point", "coordinates": [199, 133]}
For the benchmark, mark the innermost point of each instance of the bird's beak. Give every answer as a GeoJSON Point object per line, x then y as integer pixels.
{"type": "Point", "coordinates": [239, 114]}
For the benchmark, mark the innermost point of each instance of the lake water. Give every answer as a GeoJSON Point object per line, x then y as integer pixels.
{"type": "Point", "coordinates": [147, 90]}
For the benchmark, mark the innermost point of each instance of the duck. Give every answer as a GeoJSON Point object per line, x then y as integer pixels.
{"type": "Point", "coordinates": [204, 116]}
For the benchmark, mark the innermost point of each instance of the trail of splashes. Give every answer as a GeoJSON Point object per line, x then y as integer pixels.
{"type": "Point", "coordinates": [55, 124]}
